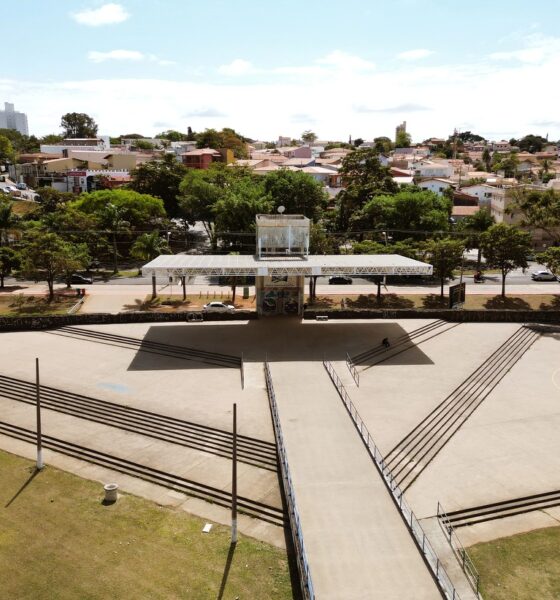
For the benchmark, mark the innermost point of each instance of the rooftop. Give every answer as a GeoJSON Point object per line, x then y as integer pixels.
{"type": "Point", "coordinates": [242, 264]}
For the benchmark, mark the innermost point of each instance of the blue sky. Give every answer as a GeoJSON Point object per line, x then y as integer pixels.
{"type": "Point", "coordinates": [355, 68]}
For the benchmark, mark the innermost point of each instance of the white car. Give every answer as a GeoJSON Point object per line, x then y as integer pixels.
{"type": "Point", "coordinates": [218, 307]}
{"type": "Point", "coordinates": [543, 276]}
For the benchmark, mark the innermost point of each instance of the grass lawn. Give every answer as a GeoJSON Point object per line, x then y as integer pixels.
{"type": "Point", "coordinates": [58, 541]}
{"type": "Point", "coordinates": [473, 301]}
{"type": "Point", "coordinates": [521, 567]}
{"type": "Point", "coordinates": [20, 305]}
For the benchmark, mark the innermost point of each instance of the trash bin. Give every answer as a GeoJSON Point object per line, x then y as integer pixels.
{"type": "Point", "coordinates": [111, 490]}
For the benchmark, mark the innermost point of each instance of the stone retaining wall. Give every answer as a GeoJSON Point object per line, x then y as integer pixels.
{"type": "Point", "coordinates": [465, 316]}
{"type": "Point", "coordinates": [53, 321]}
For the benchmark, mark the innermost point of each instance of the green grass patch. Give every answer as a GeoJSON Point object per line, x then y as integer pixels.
{"type": "Point", "coordinates": [57, 540]}
{"type": "Point", "coordinates": [521, 567]}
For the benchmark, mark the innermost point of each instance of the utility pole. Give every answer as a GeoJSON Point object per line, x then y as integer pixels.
{"type": "Point", "coordinates": [40, 463]}
{"type": "Point", "coordinates": [234, 479]}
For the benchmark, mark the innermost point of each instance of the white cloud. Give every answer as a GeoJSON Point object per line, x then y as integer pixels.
{"type": "Point", "coordinates": [417, 54]}
{"type": "Point", "coordinates": [486, 94]}
{"type": "Point", "coordinates": [537, 48]}
{"type": "Point", "coordinates": [97, 57]}
{"type": "Point", "coordinates": [107, 14]}
{"type": "Point", "coordinates": [236, 68]}
{"type": "Point", "coordinates": [345, 61]}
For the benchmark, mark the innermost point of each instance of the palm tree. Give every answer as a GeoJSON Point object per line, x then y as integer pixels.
{"type": "Point", "coordinates": [113, 218]}
{"type": "Point", "coordinates": [148, 246]}
{"type": "Point", "coordinates": [477, 224]}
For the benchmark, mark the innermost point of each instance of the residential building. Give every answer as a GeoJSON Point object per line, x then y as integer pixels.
{"type": "Point", "coordinates": [283, 141]}
{"type": "Point", "coordinates": [436, 185]}
{"type": "Point", "coordinates": [484, 192]}
{"type": "Point", "coordinates": [12, 119]}
{"type": "Point", "coordinates": [296, 152]}
{"type": "Point", "coordinates": [204, 157]}
{"type": "Point", "coordinates": [86, 144]}
{"type": "Point", "coordinates": [459, 212]}
{"type": "Point", "coordinates": [428, 169]}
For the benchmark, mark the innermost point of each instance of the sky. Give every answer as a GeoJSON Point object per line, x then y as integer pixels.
{"type": "Point", "coordinates": [340, 68]}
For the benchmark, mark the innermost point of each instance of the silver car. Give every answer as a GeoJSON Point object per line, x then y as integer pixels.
{"type": "Point", "coordinates": [543, 276]}
{"type": "Point", "coordinates": [218, 307]}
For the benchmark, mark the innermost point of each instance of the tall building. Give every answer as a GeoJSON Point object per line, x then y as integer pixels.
{"type": "Point", "coordinates": [12, 119]}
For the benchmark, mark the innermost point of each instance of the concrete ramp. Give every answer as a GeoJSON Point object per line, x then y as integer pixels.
{"type": "Point", "coordinates": [356, 542]}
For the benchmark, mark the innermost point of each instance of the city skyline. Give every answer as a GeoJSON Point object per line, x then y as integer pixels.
{"type": "Point", "coordinates": [357, 69]}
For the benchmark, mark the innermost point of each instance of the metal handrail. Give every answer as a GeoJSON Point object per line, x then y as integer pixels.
{"type": "Point", "coordinates": [406, 512]}
{"type": "Point", "coordinates": [458, 549]}
{"type": "Point", "coordinates": [295, 523]}
{"type": "Point", "coordinates": [353, 370]}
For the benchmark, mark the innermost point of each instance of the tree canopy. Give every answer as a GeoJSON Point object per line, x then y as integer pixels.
{"type": "Point", "coordinates": [160, 178]}
{"type": "Point", "coordinates": [78, 125]}
{"type": "Point", "coordinates": [539, 209]}
{"type": "Point", "coordinates": [505, 248]}
{"type": "Point", "coordinates": [298, 192]}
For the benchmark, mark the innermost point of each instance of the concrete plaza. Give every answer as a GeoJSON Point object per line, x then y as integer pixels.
{"type": "Point", "coordinates": [507, 449]}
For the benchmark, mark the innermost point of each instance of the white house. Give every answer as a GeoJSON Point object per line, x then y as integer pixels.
{"type": "Point", "coordinates": [486, 194]}
{"type": "Point", "coordinates": [436, 185]}
{"type": "Point", "coordinates": [425, 169]}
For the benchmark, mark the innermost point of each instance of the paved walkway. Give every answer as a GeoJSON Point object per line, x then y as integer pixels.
{"type": "Point", "coordinates": [356, 543]}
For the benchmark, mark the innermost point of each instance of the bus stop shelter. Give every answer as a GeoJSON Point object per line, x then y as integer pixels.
{"type": "Point", "coordinates": [280, 280]}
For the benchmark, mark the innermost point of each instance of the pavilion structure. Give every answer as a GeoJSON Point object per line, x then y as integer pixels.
{"type": "Point", "coordinates": [281, 263]}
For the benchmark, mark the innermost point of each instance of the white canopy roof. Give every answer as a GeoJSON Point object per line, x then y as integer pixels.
{"type": "Point", "coordinates": [243, 264]}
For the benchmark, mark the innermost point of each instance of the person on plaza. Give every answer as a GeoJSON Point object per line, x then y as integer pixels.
{"type": "Point", "coordinates": [385, 343]}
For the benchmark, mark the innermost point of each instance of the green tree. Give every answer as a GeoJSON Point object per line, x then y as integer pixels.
{"type": "Point", "coordinates": [51, 138]}
{"type": "Point", "coordinates": [50, 199]}
{"type": "Point", "coordinates": [162, 179]}
{"type": "Point", "coordinates": [550, 258]}
{"type": "Point", "coordinates": [408, 210]}
{"type": "Point", "coordinates": [539, 210]}
{"type": "Point", "coordinates": [7, 153]}
{"type": "Point", "coordinates": [113, 217]}
{"type": "Point", "coordinates": [236, 211]}
{"type": "Point", "coordinates": [505, 248]}
{"type": "Point", "coordinates": [8, 220]}
{"type": "Point", "coordinates": [46, 257]}
{"type": "Point", "coordinates": [403, 139]}
{"type": "Point", "coordinates": [445, 255]}
{"type": "Point", "coordinates": [298, 192]}
{"type": "Point", "coordinates": [10, 260]}
{"type": "Point", "coordinates": [487, 159]}
{"type": "Point", "coordinates": [473, 226]}
{"type": "Point", "coordinates": [227, 138]}
{"type": "Point", "coordinates": [140, 210]}
{"type": "Point", "coordinates": [78, 125]}
{"type": "Point", "coordinates": [172, 136]}
{"type": "Point", "coordinates": [308, 136]}
{"type": "Point", "coordinates": [364, 177]}
{"type": "Point", "coordinates": [383, 145]}
{"type": "Point", "coordinates": [532, 143]}
{"type": "Point", "coordinates": [21, 143]}
{"type": "Point", "coordinates": [149, 246]}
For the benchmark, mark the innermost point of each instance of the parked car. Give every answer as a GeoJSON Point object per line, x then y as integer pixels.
{"type": "Point", "coordinates": [78, 279]}
{"type": "Point", "coordinates": [543, 276]}
{"type": "Point", "coordinates": [21, 186]}
{"type": "Point", "coordinates": [340, 280]}
{"type": "Point", "coordinates": [218, 307]}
